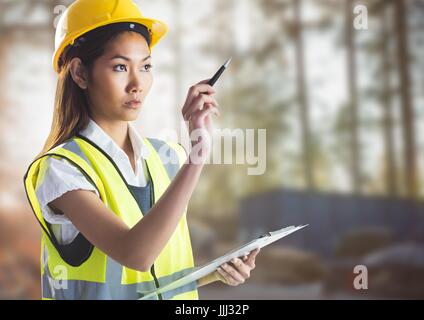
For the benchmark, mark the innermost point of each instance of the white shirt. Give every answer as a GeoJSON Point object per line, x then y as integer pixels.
{"type": "Point", "coordinates": [61, 177]}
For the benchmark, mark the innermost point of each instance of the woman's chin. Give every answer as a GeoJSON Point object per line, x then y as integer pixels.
{"type": "Point", "coordinates": [131, 117]}
{"type": "Point", "coordinates": [130, 114]}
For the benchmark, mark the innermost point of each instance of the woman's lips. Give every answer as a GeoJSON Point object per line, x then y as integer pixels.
{"type": "Point", "coordinates": [134, 104]}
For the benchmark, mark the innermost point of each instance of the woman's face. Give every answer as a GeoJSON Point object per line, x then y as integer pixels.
{"type": "Point", "coordinates": [120, 79]}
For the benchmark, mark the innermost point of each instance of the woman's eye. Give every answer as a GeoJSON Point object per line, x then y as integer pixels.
{"type": "Point", "coordinates": [120, 67]}
{"type": "Point", "coordinates": [123, 68]}
{"type": "Point", "coordinates": [147, 67]}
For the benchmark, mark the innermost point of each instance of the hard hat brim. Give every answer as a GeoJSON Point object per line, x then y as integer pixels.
{"type": "Point", "coordinates": [157, 30]}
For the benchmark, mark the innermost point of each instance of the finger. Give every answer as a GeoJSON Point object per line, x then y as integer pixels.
{"type": "Point", "coordinates": [228, 277]}
{"type": "Point", "coordinates": [204, 118]}
{"type": "Point", "coordinates": [208, 117]}
{"type": "Point", "coordinates": [194, 91]}
{"type": "Point", "coordinates": [225, 277]}
{"type": "Point", "coordinates": [241, 267]}
{"type": "Point", "coordinates": [199, 116]}
{"type": "Point", "coordinates": [198, 103]}
{"type": "Point", "coordinates": [213, 108]}
{"type": "Point", "coordinates": [219, 275]}
{"type": "Point", "coordinates": [251, 258]}
{"type": "Point", "coordinates": [233, 272]}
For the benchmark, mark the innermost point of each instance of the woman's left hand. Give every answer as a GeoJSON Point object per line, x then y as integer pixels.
{"type": "Point", "coordinates": [238, 270]}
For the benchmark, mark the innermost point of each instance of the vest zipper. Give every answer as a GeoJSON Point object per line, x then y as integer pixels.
{"type": "Point", "coordinates": [152, 270]}
{"type": "Point", "coordinates": [152, 201]}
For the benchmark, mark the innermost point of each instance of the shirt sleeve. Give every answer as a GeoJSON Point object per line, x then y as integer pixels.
{"type": "Point", "coordinates": [60, 177]}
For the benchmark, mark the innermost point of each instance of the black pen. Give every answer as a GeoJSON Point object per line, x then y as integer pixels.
{"type": "Point", "coordinates": [216, 76]}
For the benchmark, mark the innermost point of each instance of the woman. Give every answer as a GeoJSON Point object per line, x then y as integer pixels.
{"type": "Point", "coordinates": [112, 205]}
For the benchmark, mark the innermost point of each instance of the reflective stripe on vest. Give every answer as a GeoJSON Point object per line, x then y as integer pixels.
{"type": "Point", "coordinates": [110, 290]}
{"type": "Point", "coordinates": [100, 277]}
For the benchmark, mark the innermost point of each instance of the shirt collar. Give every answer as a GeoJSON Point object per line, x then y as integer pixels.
{"type": "Point", "coordinates": [96, 134]}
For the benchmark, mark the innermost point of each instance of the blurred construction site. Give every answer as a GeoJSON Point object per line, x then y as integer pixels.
{"type": "Point", "coordinates": [337, 84]}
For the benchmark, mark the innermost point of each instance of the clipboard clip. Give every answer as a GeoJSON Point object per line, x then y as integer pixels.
{"type": "Point", "coordinates": [265, 235]}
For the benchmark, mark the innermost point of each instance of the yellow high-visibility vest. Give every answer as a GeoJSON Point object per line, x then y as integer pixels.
{"type": "Point", "coordinates": [79, 270]}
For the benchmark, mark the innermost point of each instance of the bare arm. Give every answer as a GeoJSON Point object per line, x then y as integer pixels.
{"type": "Point", "coordinates": [138, 247]}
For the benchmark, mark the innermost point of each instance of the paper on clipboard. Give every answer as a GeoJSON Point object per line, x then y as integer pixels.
{"type": "Point", "coordinates": [204, 270]}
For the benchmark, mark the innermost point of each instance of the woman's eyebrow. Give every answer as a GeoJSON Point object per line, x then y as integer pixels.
{"type": "Point", "coordinates": [128, 59]}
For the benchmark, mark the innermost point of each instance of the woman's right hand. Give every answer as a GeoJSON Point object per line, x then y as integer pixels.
{"type": "Point", "coordinates": [198, 109]}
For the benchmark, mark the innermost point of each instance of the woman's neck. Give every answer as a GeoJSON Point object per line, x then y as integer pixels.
{"type": "Point", "coordinates": [118, 131]}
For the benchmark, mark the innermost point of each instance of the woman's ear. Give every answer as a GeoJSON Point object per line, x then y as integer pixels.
{"type": "Point", "coordinates": [79, 73]}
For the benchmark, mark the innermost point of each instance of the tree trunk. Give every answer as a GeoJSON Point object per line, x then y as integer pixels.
{"type": "Point", "coordinates": [390, 170]}
{"type": "Point", "coordinates": [406, 103]}
{"type": "Point", "coordinates": [178, 72]}
{"type": "Point", "coordinates": [303, 98]}
{"type": "Point", "coordinates": [353, 96]}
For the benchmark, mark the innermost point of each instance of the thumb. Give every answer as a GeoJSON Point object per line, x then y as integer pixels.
{"type": "Point", "coordinates": [252, 256]}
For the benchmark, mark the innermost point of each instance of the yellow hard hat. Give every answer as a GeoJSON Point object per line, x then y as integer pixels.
{"type": "Point", "coordinates": [83, 16]}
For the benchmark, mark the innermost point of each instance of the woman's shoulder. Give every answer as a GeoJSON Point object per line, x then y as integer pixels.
{"type": "Point", "coordinates": [61, 169]}
{"type": "Point", "coordinates": [57, 177]}
{"type": "Point", "coordinates": [59, 172]}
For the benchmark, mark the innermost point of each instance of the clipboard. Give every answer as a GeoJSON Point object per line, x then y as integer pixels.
{"type": "Point", "coordinates": [204, 270]}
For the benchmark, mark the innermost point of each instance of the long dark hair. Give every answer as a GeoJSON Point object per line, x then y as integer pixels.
{"type": "Point", "coordinates": [71, 110]}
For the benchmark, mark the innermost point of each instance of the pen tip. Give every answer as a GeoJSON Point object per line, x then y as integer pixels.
{"type": "Point", "coordinates": [227, 62]}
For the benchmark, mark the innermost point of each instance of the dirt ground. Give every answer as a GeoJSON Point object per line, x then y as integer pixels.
{"type": "Point", "coordinates": [273, 292]}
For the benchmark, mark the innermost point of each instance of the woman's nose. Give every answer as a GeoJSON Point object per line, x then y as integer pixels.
{"type": "Point", "coordinates": [136, 90]}
{"type": "Point", "coordinates": [135, 84]}
{"type": "Point", "coordinates": [135, 87]}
